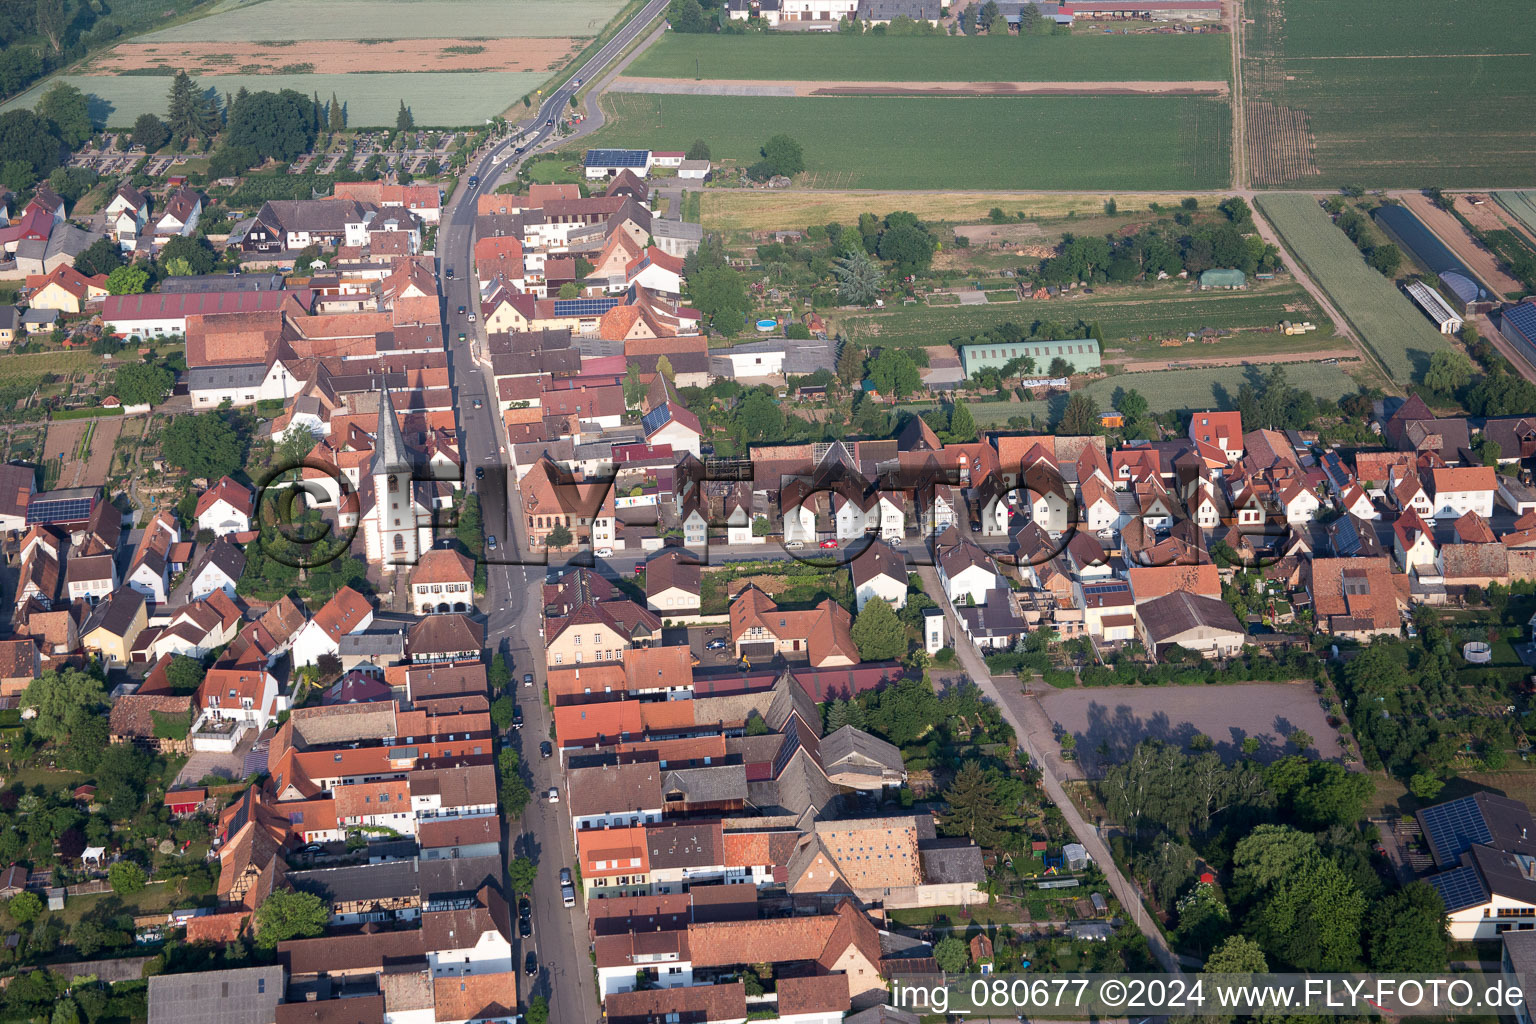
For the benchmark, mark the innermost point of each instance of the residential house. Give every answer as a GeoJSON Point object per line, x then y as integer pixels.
{"type": "Point", "coordinates": [126, 214]}
{"type": "Point", "coordinates": [65, 289]}
{"type": "Point", "coordinates": [761, 630]}
{"type": "Point", "coordinates": [442, 580]}
{"type": "Point", "coordinates": [1413, 545]}
{"type": "Point", "coordinates": [552, 499]}
{"type": "Point", "coordinates": [1357, 597]}
{"type": "Point", "coordinates": [115, 624]}
{"type": "Point", "coordinates": [219, 569]}
{"type": "Point", "coordinates": [880, 570]}
{"type": "Point", "coordinates": [1191, 622]}
{"type": "Point", "coordinates": [1483, 846]}
{"type": "Point", "coordinates": [1455, 491]}
{"type": "Point", "coordinates": [90, 578]}
{"type": "Point", "coordinates": [450, 637]}
{"type": "Point", "coordinates": [346, 612]}
{"type": "Point", "coordinates": [183, 209]}
{"type": "Point", "coordinates": [672, 583]}
{"type": "Point", "coordinates": [1224, 430]}
{"type": "Point", "coordinates": [966, 572]}
{"type": "Point", "coordinates": [150, 568]}
{"type": "Point", "coordinates": [225, 508]}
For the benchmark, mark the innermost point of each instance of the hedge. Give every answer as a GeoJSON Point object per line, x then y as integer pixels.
{"type": "Point", "coordinates": [85, 414]}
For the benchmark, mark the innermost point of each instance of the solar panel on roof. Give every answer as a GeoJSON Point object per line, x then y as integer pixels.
{"type": "Point", "coordinates": [1453, 827]}
{"type": "Point", "coordinates": [617, 157]}
{"type": "Point", "coordinates": [1459, 888]}
{"type": "Point", "coordinates": [1107, 588]}
{"type": "Point", "coordinates": [58, 510]}
{"type": "Point", "coordinates": [1523, 317]}
{"type": "Point", "coordinates": [583, 307]}
{"type": "Point", "coordinates": [656, 418]}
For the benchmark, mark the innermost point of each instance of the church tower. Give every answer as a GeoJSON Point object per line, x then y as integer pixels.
{"type": "Point", "coordinates": [394, 492]}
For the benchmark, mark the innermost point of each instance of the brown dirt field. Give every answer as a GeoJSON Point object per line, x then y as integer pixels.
{"type": "Point", "coordinates": [1148, 365]}
{"type": "Point", "coordinates": [815, 88]}
{"type": "Point", "coordinates": [64, 435]}
{"type": "Point", "coordinates": [1449, 230]}
{"type": "Point", "coordinates": [1490, 217]}
{"type": "Point", "coordinates": [334, 56]}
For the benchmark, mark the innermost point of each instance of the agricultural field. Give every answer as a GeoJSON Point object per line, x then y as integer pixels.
{"type": "Point", "coordinates": [1073, 142]}
{"type": "Point", "coordinates": [436, 98]}
{"type": "Point", "coordinates": [1148, 314]}
{"type": "Point", "coordinates": [1386, 320]}
{"type": "Point", "coordinates": [453, 62]}
{"type": "Point", "coordinates": [1340, 94]}
{"type": "Point", "coordinates": [1211, 387]}
{"type": "Point", "coordinates": [791, 56]}
{"type": "Point", "coordinates": [1521, 206]}
{"type": "Point", "coordinates": [728, 210]}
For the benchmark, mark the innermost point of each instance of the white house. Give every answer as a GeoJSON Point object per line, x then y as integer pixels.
{"type": "Point", "coordinates": [1483, 846]}
{"type": "Point", "coordinates": [126, 216]}
{"type": "Point", "coordinates": [880, 571]}
{"type": "Point", "coordinates": [225, 508]}
{"type": "Point", "coordinates": [671, 423]}
{"type": "Point", "coordinates": [1457, 491]}
{"type": "Point", "coordinates": [1299, 502]}
{"type": "Point", "coordinates": [461, 942]}
{"type": "Point", "coordinates": [347, 612]}
{"type": "Point", "coordinates": [220, 568]}
{"type": "Point", "coordinates": [655, 271]}
{"type": "Point", "coordinates": [752, 359]}
{"type": "Point", "coordinates": [1413, 545]}
{"type": "Point", "coordinates": [183, 209]}
{"type": "Point", "coordinates": [1357, 503]}
{"type": "Point", "coordinates": [90, 578]}
{"type": "Point", "coordinates": [965, 570]}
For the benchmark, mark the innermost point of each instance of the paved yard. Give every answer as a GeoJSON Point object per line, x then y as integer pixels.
{"type": "Point", "coordinates": [1120, 717]}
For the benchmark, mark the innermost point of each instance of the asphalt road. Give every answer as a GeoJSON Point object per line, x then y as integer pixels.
{"type": "Point", "coordinates": [559, 934]}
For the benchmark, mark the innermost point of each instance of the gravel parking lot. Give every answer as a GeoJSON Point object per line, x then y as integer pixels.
{"type": "Point", "coordinates": [1119, 717]}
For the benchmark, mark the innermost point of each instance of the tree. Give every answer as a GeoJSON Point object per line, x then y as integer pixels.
{"type": "Point", "coordinates": [336, 118]}
{"type": "Point", "coordinates": [502, 712]}
{"type": "Point", "coordinates": [699, 150]}
{"type": "Point", "coordinates": [405, 121]}
{"type": "Point", "coordinates": [19, 67]}
{"type": "Point", "coordinates": [61, 698]}
{"type": "Point", "coordinates": [498, 673]}
{"type": "Point", "coordinates": [128, 280]}
{"type": "Point", "coordinates": [538, 1011]}
{"type": "Point", "coordinates": [1081, 415]}
{"type": "Point", "coordinates": [1425, 785]}
{"type": "Point", "coordinates": [720, 293]}
{"type": "Point", "coordinates": [759, 417]}
{"type": "Point", "coordinates": [272, 124]}
{"type": "Point", "coordinates": [521, 872]}
{"type": "Point", "coordinates": [894, 373]}
{"type": "Point", "coordinates": [1304, 911]}
{"type": "Point", "coordinates": [29, 149]}
{"type": "Point", "coordinates": [25, 907]}
{"type": "Point", "coordinates": [51, 19]}
{"type": "Point", "coordinates": [1386, 258]}
{"type": "Point", "coordinates": [1449, 371]}
{"type": "Point", "coordinates": [878, 633]}
{"type": "Point", "coordinates": [950, 954]}
{"type": "Point", "coordinates": [142, 384]}
{"type": "Point", "coordinates": [1300, 739]}
{"type": "Point", "coordinates": [859, 277]}
{"type": "Point", "coordinates": [1237, 955]}
{"type": "Point", "coordinates": [1407, 931]}
{"type": "Point", "coordinates": [185, 110]}
{"type": "Point", "coordinates": [962, 425]}
{"type": "Point", "coordinates": [559, 537]}
{"type": "Point", "coordinates": [687, 16]}
{"type": "Point", "coordinates": [907, 246]}
{"type": "Point", "coordinates": [126, 878]}
{"type": "Point", "coordinates": [782, 155]}
{"type": "Point", "coordinates": [184, 674]}
{"type": "Point", "coordinates": [987, 16]}
{"type": "Point", "coordinates": [850, 363]}
{"type": "Point", "coordinates": [1029, 17]}
{"type": "Point", "coordinates": [100, 257]}
{"type": "Point", "coordinates": [66, 108]}
{"type": "Point", "coordinates": [974, 810]}
{"type": "Point", "coordinates": [203, 445]}
{"type": "Point", "coordinates": [196, 251]}
{"type": "Point", "coordinates": [287, 914]}
{"type": "Point", "coordinates": [634, 387]}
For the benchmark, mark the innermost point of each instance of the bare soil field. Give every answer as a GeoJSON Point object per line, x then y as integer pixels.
{"type": "Point", "coordinates": [336, 56]}
{"type": "Point", "coordinates": [629, 83]}
{"type": "Point", "coordinates": [1150, 365]}
{"type": "Point", "coordinates": [64, 437]}
{"type": "Point", "coordinates": [1468, 249]}
{"type": "Point", "coordinates": [1489, 216]}
{"type": "Point", "coordinates": [770, 209]}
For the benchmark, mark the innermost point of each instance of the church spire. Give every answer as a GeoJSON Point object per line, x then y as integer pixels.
{"type": "Point", "coordinates": [389, 451]}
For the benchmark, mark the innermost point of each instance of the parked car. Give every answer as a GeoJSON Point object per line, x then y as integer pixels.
{"type": "Point", "coordinates": [828, 545]}
{"type": "Point", "coordinates": [604, 552]}
{"type": "Point", "coordinates": [527, 678]}
{"type": "Point", "coordinates": [524, 927]}
{"type": "Point", "coordinates": [450, 272]}
{"type": "Point", "coordinates": [471, 318]}
{"type": "Point", "coordinates": [531, 964]}
{"type": "Point", "coordinates": [477, 403]}
{"type": "Point", "coordinates": [462, 311]}
{"type": "Point", "coordinates": [794, 544]}
{"type": "Point", "coordinates": [479, 472]}
{"type": "Point", "coordinates": [554, 795]}
{"type": "Point", "coordinates": [546, 749]}
{"type": "Point", "coordinates": [567, 889]}
{"type": "Point", "coordinates": [517, 716]}
{"type": "Point", "coordinates": [490, 542]}
{"type": "Point", "coordinates": [640, 569]}
{"type": "Point", "coordinates": [717, 644]}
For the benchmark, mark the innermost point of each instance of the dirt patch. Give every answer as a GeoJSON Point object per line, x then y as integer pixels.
{"type": "Point", "coordinates": [1149, 365]}
{"type": "Point", "coordinates": [1281, 146]}
{"type": "Point", "coordinates": [337, 56]}
{"type": "Point", "coordinates": [1468, 249]}
{"type": "Point", "coordinates": [818, 88]}
{"type": "Point", "coordinates": [87, 459]}
{"type": "Point", "coordinates": [1488, 215]}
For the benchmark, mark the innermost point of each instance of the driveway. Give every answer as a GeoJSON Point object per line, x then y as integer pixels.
{"type": "Point", "coordinates": [1109, 721]}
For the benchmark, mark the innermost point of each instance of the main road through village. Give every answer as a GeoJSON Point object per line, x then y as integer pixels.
{"type": "Point", "coordinates": [559, 937]}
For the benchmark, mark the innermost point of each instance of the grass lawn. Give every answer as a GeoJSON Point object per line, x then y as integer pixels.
{"type": "Point", "coordinates": [1431, 103]}
{"type": "Point", "coordinates": [744, 210]}
{"type": "Point", "coordinates": [153, 898]}
{"type": "Point", "coordinates": [920, 142]}
{"type": "Point", "coordinates": [815, 56]}
{"type": "Point", "coordinates": [550, 172]}
{"type": "Point", "coordinates": [1150, 313]}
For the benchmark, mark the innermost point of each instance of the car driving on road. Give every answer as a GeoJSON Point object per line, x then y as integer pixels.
{"type": "Point", "coordinates": [527, 678]}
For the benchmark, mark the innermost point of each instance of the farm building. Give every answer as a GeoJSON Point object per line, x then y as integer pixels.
{"type": "Point", "coordinates": [1081, 354]}
{"type": "Point", "coordinates": [1419, 243]}
{"type": "Point", "coordinates": [1228, 279]}
{"type": "Point", "coordinates": [753, 359]}
{"type": "Point", "coordinates": [1518, 325]}
{"type": "Point", "coordinates": [1148, 10]}
{"type": "Point", "coordinates": [1439, 310]}
{"type": "Point", "coordinates": [605, 163]}
{"type": "Point", "coordinates": [1012, 12]}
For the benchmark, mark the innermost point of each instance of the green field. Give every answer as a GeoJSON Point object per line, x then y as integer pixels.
{"type": "Point", "coordinates": [244, 20]}
{"type": "Point", "coordinates": [1421, 95]}
{"type": "Point", "coordinates": [1101, 142]}
{"type": "Point", "coordinates": [1521, 206]}
{"type": "Point", "coordinates": [789, 56]}
{"type": "Point", "coordinates": [1212, 387]}
{"type": "Point", "coordinates": [438, 99]}
{"type": "Point", "coordinates": [1148, 313]}
{"type": "Point", "coordinates": [1386, 319]}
